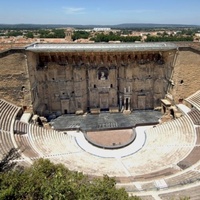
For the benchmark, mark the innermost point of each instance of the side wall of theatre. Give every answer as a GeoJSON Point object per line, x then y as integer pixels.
{"type": "Point", "coordinates": [14, 79]}
{"type": "Point", "coordinates": [34, 80]}
{"type": "Point", "coordinates": [186, 75]}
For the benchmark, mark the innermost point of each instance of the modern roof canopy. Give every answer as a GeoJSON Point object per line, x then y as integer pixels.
{"type": "Point", "coordinates": [101, 47]}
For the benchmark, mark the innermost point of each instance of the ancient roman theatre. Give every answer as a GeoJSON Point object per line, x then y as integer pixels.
{"type": "Point", "coordinates": [128, 110]}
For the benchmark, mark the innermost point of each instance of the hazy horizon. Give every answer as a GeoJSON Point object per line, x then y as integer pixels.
{"type": "Point", "coordinates": [98, 24]}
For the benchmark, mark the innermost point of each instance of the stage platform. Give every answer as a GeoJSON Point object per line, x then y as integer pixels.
{"type": "Point", "coordinates": [105, 120]}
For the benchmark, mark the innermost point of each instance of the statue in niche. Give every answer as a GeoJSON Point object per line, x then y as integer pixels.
{"type": "Point", "coordinates": [103, 73]}
{"type": "Point", "coordinates": [103, 76]}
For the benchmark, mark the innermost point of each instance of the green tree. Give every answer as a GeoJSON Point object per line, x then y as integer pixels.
{"type": "Point", "coordinates": [168, 38]}
{"type": "Point", "coordinates": [45, 180]}
{"type": "Point", "coordinates": [7, 163]}
{"type": "Point", "coordinates": [115, 37]}
{"type": "Point", "coordinates": [58, 33]}
{"type": "Point", "coordinates": [14, 33]}
{"type": "Point", "coordinates": [105, 189]}
{"type": "Point", "coordinates": [30, 35]}
{"type": "Point", "coordinates": [43, 33]}
{"type": "Point", "coordinates": [80, 34]}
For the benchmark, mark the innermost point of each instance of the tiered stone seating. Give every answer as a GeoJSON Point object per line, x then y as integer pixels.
{"type": "Point", "coordinates": [25, 146]}
{"type": "Point", "coordinates": [128, 186]}
{"type": "Point", "coordinates": [5, 143]}
{"type": "Point", "coordinates": [91, 165]}
{"type": "Point", "coordinates": [8, 113]}
{"type": "Point", "coordinates": [198, 135]}
{"type": "Point", "coordinates": [8, 124]}
{"type": "Point", "coordinates": [51, 142]}
{"type": "Point", "coordinates": [20, 127]}
{"type": "Point", "coordinates": [148, 186]}
{"type": "Point", "coordinates": [193, 156]}
{"type": "Point", "coordinates": [60, 147]}
{"type": "Point", "coordinates": [191, 159]}
{"type": "Point", "coordinates": [155, 175]}
{"type": "Point", "coordinates": [176, 140]}
{"type": "Point", "coordinates": [183, 179]}
{"type": "Point", "coordinates": [148, 197]}
{"type": "Point", "coordinates": [192, 192]}
{"type": "Point", "coordinates": [195, 116]}
{"type": "Point", "coordinates": [194, 99]}
{"type": "Point", "coordinates": [165, 144]}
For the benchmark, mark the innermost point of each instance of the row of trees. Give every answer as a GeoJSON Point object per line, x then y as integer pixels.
{"type": "Point", "coordinates": [107, 38]}
{"type": "Point", "coordinates": [101, 37]}
{"type": "Point", "coordinates": [14, 33]}
{"type": "Point", "coordinates": [55, 33]}
{"type": "Point", "coordinates": [114, 37]}
{"type": "Point", "coordinates": [184, 35]}
{"type": "Point", "coordinates": [168, 38]}
{"type": "Point", "coordinates": [45, 180]}
{"type": "Point", "coordinates": [42, 33]}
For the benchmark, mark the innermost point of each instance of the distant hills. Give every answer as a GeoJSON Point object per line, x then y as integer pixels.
{"type": "Point", "coordinates": [118, 26]}
{"type": "Point", "coordinates": [146, 25]}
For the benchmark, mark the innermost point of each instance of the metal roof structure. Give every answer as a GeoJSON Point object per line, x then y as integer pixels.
{"type": "Point", "coordinates": [101, 47]}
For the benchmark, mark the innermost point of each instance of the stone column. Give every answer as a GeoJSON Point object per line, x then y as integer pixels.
{"type": "Point", "coordinates": [129, 89]}
{"type": "Point", "coordinates": [124, 103]}
{"type": "Point", "coordinates": [120, 102]}
{"type": "Point", "coordinates": [129, 103]}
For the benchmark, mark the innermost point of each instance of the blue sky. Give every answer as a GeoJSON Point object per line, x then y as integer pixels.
{"type": "Point", "coordinates": [101, 12]}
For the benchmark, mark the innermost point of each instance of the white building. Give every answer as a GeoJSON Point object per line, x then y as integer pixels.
{"type": "Point", "coordinates": [102, 29]}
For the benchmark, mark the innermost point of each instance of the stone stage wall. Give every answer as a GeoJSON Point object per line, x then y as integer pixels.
{"type": "Point", "coordinates": [70, 82]}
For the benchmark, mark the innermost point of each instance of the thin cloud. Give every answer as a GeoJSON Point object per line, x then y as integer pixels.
{"type": "Point", "coordinates": [137, 11]}
{"type": "Point", "coordinates": [74, 11]}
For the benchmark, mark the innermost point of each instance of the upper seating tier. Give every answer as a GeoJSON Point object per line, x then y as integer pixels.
{"type": "Point", "coordinates": [194, 100]}
{"type": "Point", "coordinates": [8, 113]}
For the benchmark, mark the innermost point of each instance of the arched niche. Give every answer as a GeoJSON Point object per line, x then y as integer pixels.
{"type": "Point", "coordinates": [103, 73]}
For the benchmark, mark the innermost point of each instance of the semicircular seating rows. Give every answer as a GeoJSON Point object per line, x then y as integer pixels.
{"type": "Point", "coordinates": [8, 113]}
{"type": "Point", "coordinates": [194, 115]}
{"type": "Point", "coordinates": [168, 164]}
